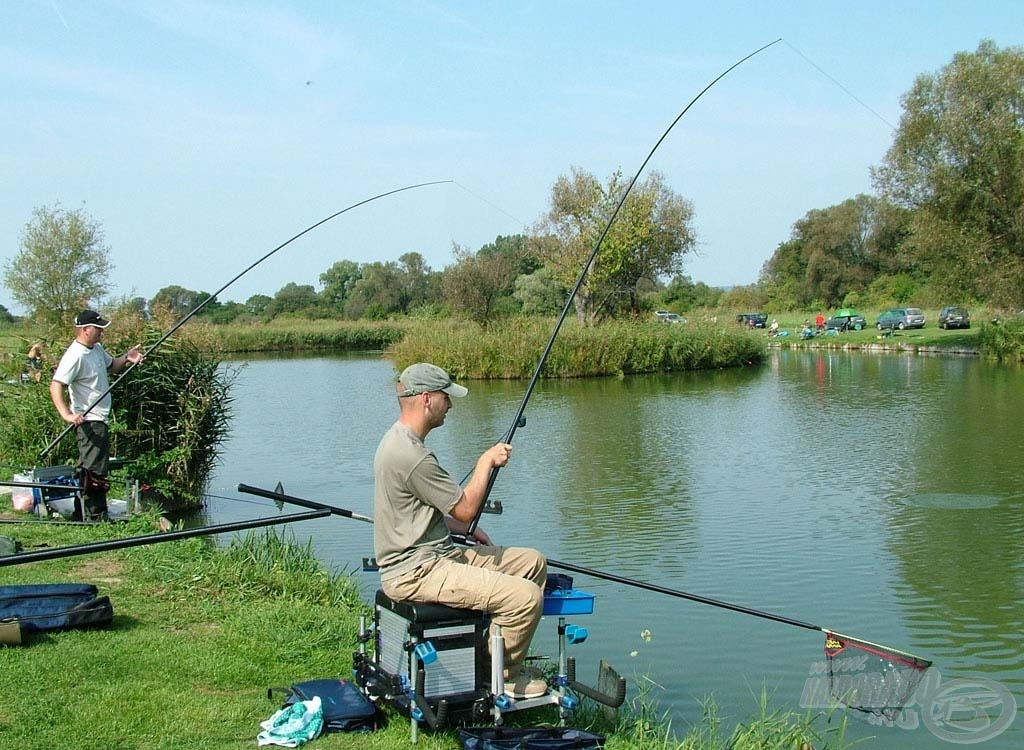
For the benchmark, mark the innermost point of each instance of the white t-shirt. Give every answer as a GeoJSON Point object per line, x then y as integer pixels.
{"type": "Point", "coordinates": [84, 372]}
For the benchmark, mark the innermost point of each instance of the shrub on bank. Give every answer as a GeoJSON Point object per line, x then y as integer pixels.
{"type": "Point", "coordinates": [1004, 340]}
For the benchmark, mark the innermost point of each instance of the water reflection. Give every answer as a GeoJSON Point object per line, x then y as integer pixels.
{"type": "Point", "coordinates": [874, 494]}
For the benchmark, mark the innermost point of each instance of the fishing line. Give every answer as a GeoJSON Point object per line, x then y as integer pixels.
{"type": "Point", "coordinates": [213, 296]}
{"type": "Point", "coordinates": [519, 419]}
{"type": "Point", "coordinates": [489, 203]}
{"type": "Point", "coordinates": [845, 90]}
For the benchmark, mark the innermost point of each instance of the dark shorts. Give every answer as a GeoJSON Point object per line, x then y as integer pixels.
{"type": "Point", "coordinates": [93, 447]}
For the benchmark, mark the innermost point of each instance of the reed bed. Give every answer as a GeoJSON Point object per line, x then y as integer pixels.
{"type": "Point", "coordinates": [1003, 341]}
{"type": "Point", "coordinates": [312, 335]}
{"type": "Point", "coordinates": [512, 349]}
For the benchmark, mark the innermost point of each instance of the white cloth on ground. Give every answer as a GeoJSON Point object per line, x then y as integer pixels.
{"type": "Point", "coordinates": [293, 725]}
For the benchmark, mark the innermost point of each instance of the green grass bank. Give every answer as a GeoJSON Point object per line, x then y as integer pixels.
{"type": "Point", "coordinates": [201, 631]}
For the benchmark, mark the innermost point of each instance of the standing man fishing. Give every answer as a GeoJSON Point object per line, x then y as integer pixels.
{"type": "Point", "coordinates": [417, 505]}
{"type": "Point", "coordinates": [82, 371]}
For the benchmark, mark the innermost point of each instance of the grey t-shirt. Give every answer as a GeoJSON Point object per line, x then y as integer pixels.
{"type": "Point", "coordinates": [411, 496]}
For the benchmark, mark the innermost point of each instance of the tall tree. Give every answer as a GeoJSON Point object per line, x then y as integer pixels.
{"type": "Point", "coordinates": [179, 301]}
{"type": "Point", "coordinates": [958, 163]}
{"type": "Point", "coordinates": [338, 281]}
{"type": "Point", "coordinates": [648, 240]}
{"type": "Point", "coordinates": [415, 278]}
{"type": "Point", "coordinates": [539, 293]}
{"type": "Point", "coordinates": [473, 284]}
{"type": "Point", "coordinates": [257, 304]}
{"type": "Point", "coordinates": [832, 252]}
{"type": "Point", "coordinates": [62, 266]}
{"type": "Point", "coordinates": [521, 254]}
{"type": "Point", "coordinates": [378, 292]}
{"type": "Point", "coordinates": [293, 298]}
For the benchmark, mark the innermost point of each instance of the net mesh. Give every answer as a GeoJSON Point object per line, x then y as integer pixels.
{"type": "Point", "coordinates": [871, 678]}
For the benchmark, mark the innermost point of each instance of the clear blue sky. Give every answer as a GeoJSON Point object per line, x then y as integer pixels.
{"type": "Point", "coordinates": [200, 135]}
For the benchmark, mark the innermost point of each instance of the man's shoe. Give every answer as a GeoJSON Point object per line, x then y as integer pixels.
{"type": "Point", "coordinates": [525, 686]}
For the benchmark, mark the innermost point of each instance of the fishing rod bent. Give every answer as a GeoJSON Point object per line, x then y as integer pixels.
{"type": "Point", "coordinates": [334, 510]}
{"type": "Point", "coordinates": [519, 419]}
{"type": "Point", "coordinates": [213, 296]}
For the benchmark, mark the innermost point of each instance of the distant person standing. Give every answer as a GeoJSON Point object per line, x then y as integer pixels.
{"type": "Point", "coordinates": [819, 323]}
{"type": "Point", "coordinates": [82, 371]}
{"type": "Point", "coordinates": [34, 363]}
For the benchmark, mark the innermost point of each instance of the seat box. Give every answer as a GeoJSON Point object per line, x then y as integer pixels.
{"type": "Point", "coordinates": [458, 638]}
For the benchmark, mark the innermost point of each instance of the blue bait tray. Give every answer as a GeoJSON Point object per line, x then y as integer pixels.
{"type": "Point", "coordinates": [568, 602]}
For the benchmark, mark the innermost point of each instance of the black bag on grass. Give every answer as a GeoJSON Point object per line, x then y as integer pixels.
{"type": "Point", "coordinates": [529, 738]}
{"type": "Point", "coordinates": [55, 606]}
{"type": "Point", "coordinates": [346, 708]}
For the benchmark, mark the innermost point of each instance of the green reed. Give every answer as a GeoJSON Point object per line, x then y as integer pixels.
{"type": "Point", "coordinates": [513, 348]}
{"type": "Point", "coordinates": [300, 335]}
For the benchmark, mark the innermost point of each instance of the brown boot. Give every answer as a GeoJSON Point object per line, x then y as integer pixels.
{"type": "Point", "coordinates": [520, 683]}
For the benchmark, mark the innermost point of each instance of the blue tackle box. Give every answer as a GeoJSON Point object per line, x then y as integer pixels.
{"type": "Point", "coordinates": [568, 602]}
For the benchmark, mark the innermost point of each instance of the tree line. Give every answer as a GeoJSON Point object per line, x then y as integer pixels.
{"type": "Point", "coordinates": [64, 266]}
{"type": "Point", "coordinates": [946, 226]}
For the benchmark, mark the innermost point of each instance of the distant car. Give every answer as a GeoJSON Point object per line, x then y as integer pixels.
{"type": "Point", "coordinates": [954, 317]}
{"type": "Point", "coordinates": [901, 318]}
{"type": "Point", "coordinates": [753, 320]}
{"type": "Point", "coordinates": [850, 322]}
{"type": "Point", "coordinates": [669, 317]}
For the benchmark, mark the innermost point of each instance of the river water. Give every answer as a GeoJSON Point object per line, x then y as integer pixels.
{"type": "Point", "coordinates": [876, 495]}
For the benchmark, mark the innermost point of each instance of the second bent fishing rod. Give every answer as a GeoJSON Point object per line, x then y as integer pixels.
{"type": "Point", "coordinates": [45, 452]}
{"type": "Point", "coordinates": [520, 418]}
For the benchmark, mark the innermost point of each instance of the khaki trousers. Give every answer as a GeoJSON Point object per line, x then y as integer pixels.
{"type": "Point", "coordinates": [507, 582]}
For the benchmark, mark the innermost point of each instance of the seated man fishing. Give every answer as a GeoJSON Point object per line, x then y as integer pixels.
{"type": "Point", "coordinates": [417, 505]}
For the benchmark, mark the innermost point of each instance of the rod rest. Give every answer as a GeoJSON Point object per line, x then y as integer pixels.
{"type": "Point", "coordinates": [612, 701]}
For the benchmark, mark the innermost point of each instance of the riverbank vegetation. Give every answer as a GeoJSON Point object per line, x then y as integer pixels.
{"type": "Point", "coordinates": [169, 414]}
{"type": "Point", "coordinates": [614, 348]}
{"type": "Point", "coordinates": [201, 632]}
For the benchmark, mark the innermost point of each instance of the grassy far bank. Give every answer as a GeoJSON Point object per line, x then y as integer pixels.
{"type": "Point", "coordinates": [200, 632]}
{"type": "Point", "coordinates": [511, 347]}
{"type": "Point", "coordinates": [992, 334]}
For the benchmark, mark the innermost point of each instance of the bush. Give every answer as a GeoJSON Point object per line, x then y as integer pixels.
{"type": "Point", "coordinates": [1003, 340]}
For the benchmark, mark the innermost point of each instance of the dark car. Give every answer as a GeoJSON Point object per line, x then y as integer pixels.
{"type": "Point", "coordinates": [841, 323]}
{"type": "Point", "coordinates": [954, 317]}
{"type": "Point", "coordinates": [753, 320]}
{"type": "Point", "coordinates": [901, 318]}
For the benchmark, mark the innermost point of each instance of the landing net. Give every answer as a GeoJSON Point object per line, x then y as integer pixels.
{"type": "Point", "coordinates": [871, 678]}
